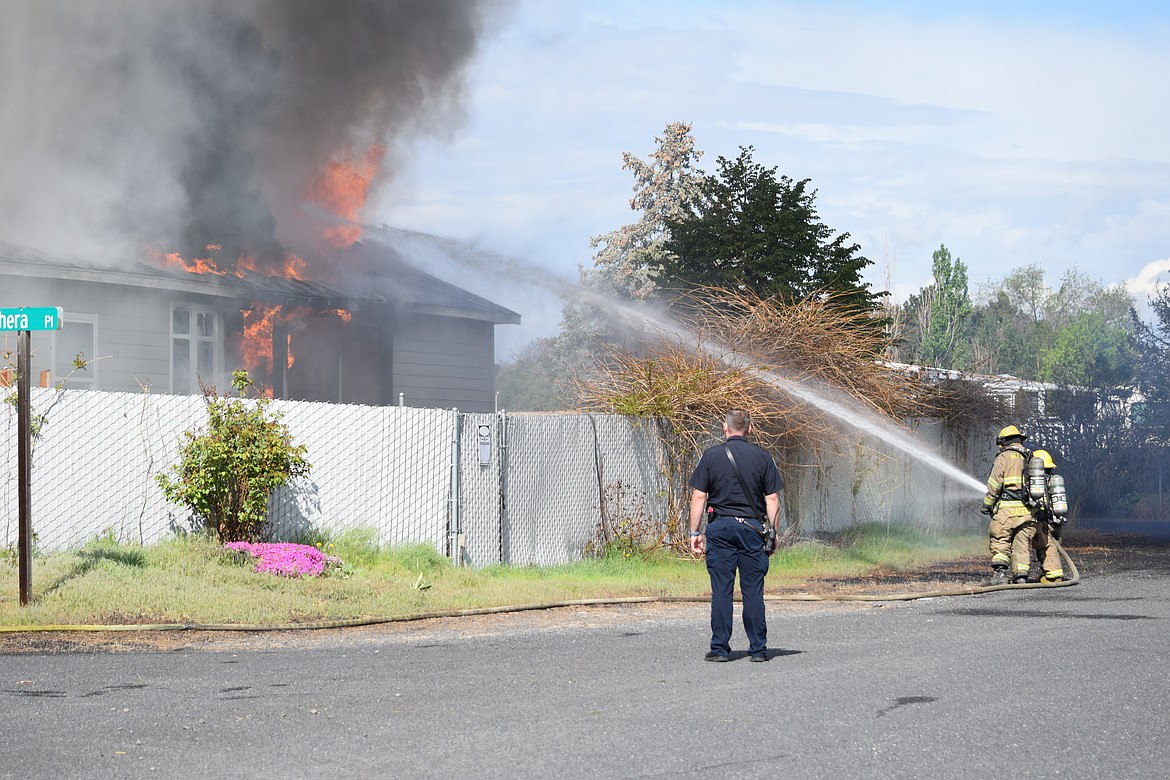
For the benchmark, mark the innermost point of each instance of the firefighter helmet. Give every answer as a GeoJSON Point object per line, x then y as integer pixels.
{"type": "Point", "coordinates": [1045, 456]}
{"type": "Point", "coordinates": [1010, 432]}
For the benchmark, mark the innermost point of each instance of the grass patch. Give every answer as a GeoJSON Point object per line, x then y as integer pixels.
{"type": "Point", "coordinates": [193, 580]}
{"type": "Point", "coordinates": [875, 547]}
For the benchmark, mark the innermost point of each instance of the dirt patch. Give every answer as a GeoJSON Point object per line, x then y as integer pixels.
{"type": "Point", "coordinates": [1100, 554]}
{"type": "Point", "coordinates": [1094, 554]}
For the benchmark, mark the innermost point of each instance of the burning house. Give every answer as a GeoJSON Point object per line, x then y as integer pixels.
{"type": "Point", "coordinates": [214, 192]}
{"type": "Point", "coordinates": [386, 332]}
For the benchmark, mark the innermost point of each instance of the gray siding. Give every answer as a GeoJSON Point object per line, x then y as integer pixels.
{"type": "Point", "coordinates": [432, 360]}
{"type": "Point", "coordinates": [133, 328]}
{"type": "Point", "coordinates": [445, 362]}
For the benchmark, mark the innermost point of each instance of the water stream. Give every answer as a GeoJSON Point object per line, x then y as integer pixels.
{"type": "Point", "coordinates": [649, 319]}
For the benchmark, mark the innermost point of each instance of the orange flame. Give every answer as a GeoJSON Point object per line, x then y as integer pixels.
{"type": "Point", "coordinates": [256, 345]}
{"type": "Point", "coordinates": [197, 265]}
{"type": "Point", "coordinates": [244, 264]}
{"type": "Point", "coordinates": [294, 268]}
{"type": "Point", "coordinates": [342, 188]}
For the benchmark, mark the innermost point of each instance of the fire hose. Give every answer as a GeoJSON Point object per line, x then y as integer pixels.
{"type": "Point", "coordinates": [416, 616]}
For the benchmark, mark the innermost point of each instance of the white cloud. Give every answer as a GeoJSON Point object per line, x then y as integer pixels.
{"type": "Point", "coordinates": [850, 136]}
{"type": "Point", "coordinates": [1147, 280]}
{"type": "Point", "coordinates": [1049, 89]}
{"type": "Point", "coordinates": [1037, 138]}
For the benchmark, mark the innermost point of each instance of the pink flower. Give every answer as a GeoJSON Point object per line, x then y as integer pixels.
{"type": "Point", "coordinates": [287, 559]}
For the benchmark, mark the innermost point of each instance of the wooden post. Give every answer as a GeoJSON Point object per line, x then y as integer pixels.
{"type": "Point", "coordinates": [6, 376]}
{"type": "Point", "coordinates": [46, 378]}
{"type": "Point", "coordinates": [24, 464]}
{"type": "Point", "coordinates": [279, 361]}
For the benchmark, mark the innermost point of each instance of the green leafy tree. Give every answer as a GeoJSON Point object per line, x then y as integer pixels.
{"type": "Point", "coordinates": [1079, 334]}
{"type": "Point", "coordinates": [908, 321]}
{"type": "Point", "coordinates": [946, 304]}
{"type": "Point", "coordinates": [1079, 294]}
{"type": "Point", "coordinates": [999, 342]}
{"type": "Point", "coordinates": [1090, 350]}
{"type": "Point", "coordinates": [226, 474]}
{"type": "Point", "coordinates": [1092, 331]}
{"type": "Point", "coordinates": [754, 230]}
{"type": "Point", "coordinates": [1010, 332]}
{"type": "Point", "coordinates": [1028, 291]}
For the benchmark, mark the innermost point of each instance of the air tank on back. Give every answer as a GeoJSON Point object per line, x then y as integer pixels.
{"type": "Point", "coordinates": [1057, 498]}
{"type": "Point", "coordinates": [1037, 484]}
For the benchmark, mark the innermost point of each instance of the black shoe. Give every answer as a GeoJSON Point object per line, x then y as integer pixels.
{"type": "Point", "coordinates": [759, 659]}
{"type": "Point", "coordinates": [1019, 579]}
{"type": "Point", "coordinates": [716, 657]}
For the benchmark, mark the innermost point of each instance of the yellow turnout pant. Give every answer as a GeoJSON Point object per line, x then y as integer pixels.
{"type": "Point", "coordinates": [1011, 532]}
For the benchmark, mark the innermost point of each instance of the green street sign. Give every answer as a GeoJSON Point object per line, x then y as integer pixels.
{"type": "Point", "coordinates": [31, 318]}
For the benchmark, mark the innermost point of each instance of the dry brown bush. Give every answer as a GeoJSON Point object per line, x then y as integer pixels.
{"type": "Point", "coordinates": [742, 352]}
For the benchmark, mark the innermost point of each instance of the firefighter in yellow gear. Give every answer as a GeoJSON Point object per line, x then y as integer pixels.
{"type": "Point", "coordinates": [1047, 527]}
{"type": "Point", "coordinates": [1012, 523]}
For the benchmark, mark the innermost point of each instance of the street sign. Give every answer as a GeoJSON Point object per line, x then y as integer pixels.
{"type": "Point", "coordinates": [31, 318]}
{"type": "Point", "coordinates": [25, 319]}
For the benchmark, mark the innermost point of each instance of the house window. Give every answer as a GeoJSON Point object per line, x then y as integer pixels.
{"type": "Point", "coordinates": [77, 338]}
{"type": "Point", "coordinates": [194, 348]}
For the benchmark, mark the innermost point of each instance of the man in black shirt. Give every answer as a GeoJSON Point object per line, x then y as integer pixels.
{"type": "Point", "coordinates": [734, 539]}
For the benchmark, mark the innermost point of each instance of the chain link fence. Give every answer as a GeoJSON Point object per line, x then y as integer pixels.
{"type": "Point", "coordinates": [521, 489]}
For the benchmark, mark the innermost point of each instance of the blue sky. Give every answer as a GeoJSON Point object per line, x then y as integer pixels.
{"type": "Point", "coordinates": [1013, 133]}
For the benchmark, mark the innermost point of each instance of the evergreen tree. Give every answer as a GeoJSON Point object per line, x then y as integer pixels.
{"type": "Point", "coordinates": [753, 230]}
{"type": "Point", "coordinates": [664, 188]}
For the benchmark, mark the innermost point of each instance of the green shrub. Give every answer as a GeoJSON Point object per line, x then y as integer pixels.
{"type": "Point", "coordinates": [226, 474]}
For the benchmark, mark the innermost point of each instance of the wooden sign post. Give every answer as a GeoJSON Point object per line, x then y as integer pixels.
{"type": "Point", "coordinates": [24, 320]}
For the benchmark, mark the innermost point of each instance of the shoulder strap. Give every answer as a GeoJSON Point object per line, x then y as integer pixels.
{"type": "Point", "coordinates": [1024, 451]}
{"type": "Point", "coordinates": [743, 486]}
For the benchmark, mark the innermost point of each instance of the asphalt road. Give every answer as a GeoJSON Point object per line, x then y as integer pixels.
{"type": "Point", "coordinates": [1063, 682]}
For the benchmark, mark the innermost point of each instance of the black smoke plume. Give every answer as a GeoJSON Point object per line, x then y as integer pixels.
{"type": "Point", "coordinates": [181, 123]}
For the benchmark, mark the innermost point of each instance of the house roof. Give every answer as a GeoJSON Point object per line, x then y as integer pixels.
{"type": "Point", "coordinates": [384, 279]}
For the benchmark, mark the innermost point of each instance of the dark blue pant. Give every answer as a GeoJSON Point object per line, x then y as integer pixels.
{"type": "Point", "coordinates": [733, 545]}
